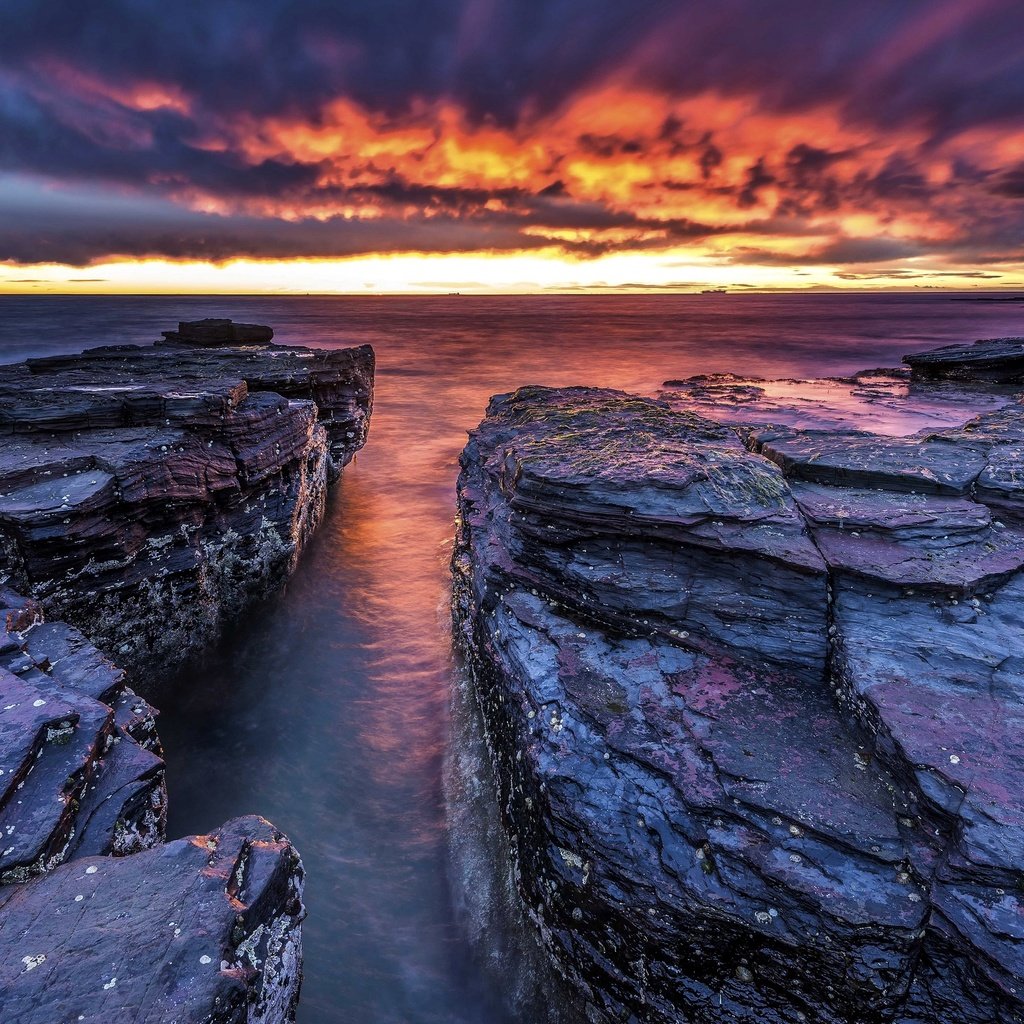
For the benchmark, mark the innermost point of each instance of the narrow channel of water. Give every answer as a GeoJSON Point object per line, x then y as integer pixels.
{"type": "Point", "coordinates": [329, 711]}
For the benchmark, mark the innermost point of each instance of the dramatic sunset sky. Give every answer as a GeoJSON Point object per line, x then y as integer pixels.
{"type": "Point", "coordinates": [436, 145]}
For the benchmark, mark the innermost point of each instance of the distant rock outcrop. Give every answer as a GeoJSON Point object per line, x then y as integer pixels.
{"type": "Point", "coordinates": [218, 332]}
{"type": "Point", "coordinates": [148, 494]}
{"type": "Point", "coordinates": [754, 691]}
{"type": "Point", "coordinates": [992, 359]}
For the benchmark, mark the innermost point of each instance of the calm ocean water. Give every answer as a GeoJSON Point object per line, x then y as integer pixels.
{"type": "Point", "coordinates": [329, 711]}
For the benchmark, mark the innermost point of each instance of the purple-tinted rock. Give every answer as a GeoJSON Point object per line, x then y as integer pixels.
{"type": "Point", "coordinates": [201, 929]}
{"type": "Point", "coordinates": [883, 401]}
{"type": "Point", "coordinates": [87, 893]}
{"type": "Point", "coordinates": [644, 517]}
{"type": "Point", "coordinates": [755, 713]}
{"type": "Point", "coordinates": [80, 764]}
{"type": "Point", "coordinates": [148, 494]}
{"type": "Point", "coordinates": [946, 543]}
{"type": "Point", "coordinates": [858, 459]}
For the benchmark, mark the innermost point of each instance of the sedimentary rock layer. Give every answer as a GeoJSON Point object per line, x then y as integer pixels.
{"type": "Point", "coordinates": [754, 697]}
{"type": "Point", "coordinates": [148, 494]}
{"type": "Point", "coordinates": [201, 929]}
{"type": "Point", "coordinates": [991, 359]}
{"type": "Point", "coordinates": [80, 765]}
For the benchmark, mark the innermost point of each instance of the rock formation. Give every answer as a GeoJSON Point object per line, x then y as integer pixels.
{"type": "Point", "coordinates": [201, 929]}
{"type": "Point", "coordinates": [754, 692]}
{"type": "Point", "coordinates": [80, 765]}
{"type": "Point", "coordinates": [98, 920]}
{"type": "Point", "coordinates": [995, 359]}
{"type": "Point", "coordinates": [148, 494]}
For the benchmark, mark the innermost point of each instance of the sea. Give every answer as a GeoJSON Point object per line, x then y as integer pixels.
{"type": "Point", "coordinates": [336, 710]}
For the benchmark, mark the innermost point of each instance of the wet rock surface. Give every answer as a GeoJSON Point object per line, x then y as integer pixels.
{"type": "Point", "coordinates": [148, 494]}
{"type": "Point", "coordinates": [80, 765]}
{"type": "Point", "coordinates": [99, 919]}
{"type": "Point", "coordinates": [753, 693]}
{"type": "Point", "coordinates": [995, 359]}
{"type": "Point", "coordinates": [200, 929]}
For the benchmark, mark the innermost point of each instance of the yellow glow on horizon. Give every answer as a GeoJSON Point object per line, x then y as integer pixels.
{"type": "Point", "coordinates": [535, 271]}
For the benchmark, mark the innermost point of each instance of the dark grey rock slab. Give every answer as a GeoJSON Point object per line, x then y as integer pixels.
{"type": "Point", "coordinates": [200, 929]}
{"type": "Point", "coordinates": [991, 359]}
{"type": "Point", "coordinates": [931, 465]}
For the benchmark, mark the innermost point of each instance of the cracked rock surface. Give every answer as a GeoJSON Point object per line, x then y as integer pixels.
{"type": "Point", "coordinates": [200, 929]}
{"type": "Point", "coordinates": [148, 494]}
{"type": "Point", "coordinates": [752, 680]}
{"type": "Point", "coordinates": [99, 919]}
{"type": "Point", "coordinates": [80, 765]}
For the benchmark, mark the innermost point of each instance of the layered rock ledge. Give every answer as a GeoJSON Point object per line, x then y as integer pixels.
{"type": "Point", "coordinates": [754, 691]}
{"type": "Point", "coordinates": [148, 494]}
{"type": "Point", "coordinates": [201, 929]}
{"type": "Point", "coordinates": [99, 921]}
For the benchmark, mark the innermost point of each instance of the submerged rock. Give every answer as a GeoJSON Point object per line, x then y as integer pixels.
{"type": "Point", "coordinates": [148, 494]}
{"type": "Point", "coordinates": [201, 929]}
{"type": "Point", "coordinates": [754, 698]}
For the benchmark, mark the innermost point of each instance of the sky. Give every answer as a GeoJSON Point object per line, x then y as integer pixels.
{"type": "Point", "coordinates": [510, 145]}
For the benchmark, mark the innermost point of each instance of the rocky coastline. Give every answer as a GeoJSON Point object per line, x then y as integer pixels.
{"type": "Point", "coordinates": [751, 681]}
{"type": "Point", "coordinates": [147, 497]}
{"type": "Point", "coordinates": [149, 494]}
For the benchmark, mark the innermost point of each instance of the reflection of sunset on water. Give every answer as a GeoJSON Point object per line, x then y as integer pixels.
{"type": "Point", "coordinates": [328, 712]}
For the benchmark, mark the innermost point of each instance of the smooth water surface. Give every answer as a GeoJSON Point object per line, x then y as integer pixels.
{"type": "Point", "coordinates": [328, 712]}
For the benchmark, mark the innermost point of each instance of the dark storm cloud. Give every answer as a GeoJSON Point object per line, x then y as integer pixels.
{"type": "Point", "coordinates": [1011, 183]}
{"type": "Point", "coordinates": [156, 230]}
{"type": "Point", "coordinates": [72, 226]}
{"type": "Point", "coordinates": [133, 96]}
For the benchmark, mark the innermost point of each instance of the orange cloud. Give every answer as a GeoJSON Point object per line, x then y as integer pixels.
{"type": "Point", "coordinates": [711, 159]}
